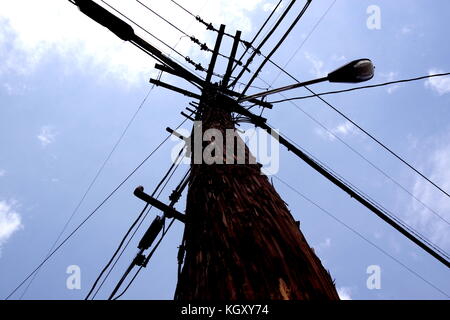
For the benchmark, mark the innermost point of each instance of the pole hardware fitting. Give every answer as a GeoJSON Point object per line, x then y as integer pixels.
{"type": "Point", "coordinates": [169, 212]}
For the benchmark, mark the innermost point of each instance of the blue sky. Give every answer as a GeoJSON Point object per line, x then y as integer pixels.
{"type": "Point", "coordinates": [68, 88]}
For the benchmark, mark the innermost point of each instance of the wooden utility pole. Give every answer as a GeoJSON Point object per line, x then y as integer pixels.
{"type": "Point", "coordinates": [240, 240]}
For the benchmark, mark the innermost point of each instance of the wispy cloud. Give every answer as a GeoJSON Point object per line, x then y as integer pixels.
{"type": "Point", "coordinates": [341, 130]}
{"type": "Point", "coordinates": [441, 85]}
{"type": "Point", "coordinates": [317, 65]}
{"type": "Point", "coordinates": [46, 136]}
{"type": "Point", "coordinates": [10, 221]}
{"type": "Point", "coordinates": [2, 172]}
{"type": "Point", "coordinates": [344, 293]}
{"type": "Point", "coordinates": [324, 244]}
{"type": "Point", "coordinates": [269, 6]}
{"type": "Point", "coordinates": [390, 76]}
{"type": "Point", "coordinates": [406, 30]}
{"type": "Point", "coordinates": [437, 169]}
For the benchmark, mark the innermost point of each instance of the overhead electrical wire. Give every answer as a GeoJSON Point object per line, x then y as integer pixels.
{"type": "Point", "coordinates": [363, 87]}
{"type": "Point", "coordinates": [250, 45]}
{"type": "Point", "coordinates": [334, 217]}
{"type": "Point", "coordinates": [209, 26]}
{"type": "Point", "coordinates": [91, 184]}
{"type": "Point", "coordinates": [322, 17]}
{"type": "Point", "coordinates": [132, 236]}
{"type": "Point", "coordinates": [332, 134]}
{"type": "Point", "coordinates": [203, 46]}
{"type": "Point", "coordinates": [329, 131]}
{"type": "Point", "coordinates": [358, 192]}
{"type": "Point", "coordinates": [187, 59]}
{"type": "Point", "coordinates": [141, 217]}
{"type": "Point", "coordinates": [93, 212]}
{"type": "Point", "coordinates": [261, 44]}
{"type": "Point", "coordinates": [384, 146]}
{"type": "Point", "coordinates": [380, 143]}
{"type": "Point", "coordinates": [150, 255]}
{"type": "Point", "coordinates": [268, 59]}
{"type": "Point", "coordinates": [279, 43]}
{"type": "Point", "coordinates": [179, 188]}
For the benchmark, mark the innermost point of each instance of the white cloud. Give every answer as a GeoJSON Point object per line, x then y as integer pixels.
{"type": "Point", "coordinates": [441, 85]}
{"type": "Point", "coordinates": [341, 130]}
{"type": "Point", "coordinates": [16, 90]}
{"type": "Point", "coordinates": [345, 128]}
{"type": "Point", "coordinates": [391, 76]}
{"type": "Point", "coordinates": [269, 6]}
{"type": "Point", "coordinates": [2, 173]}
{"type": "Point", "coordinates": [406, 30]}
{"type": "Point", "coordinates": [10, 221]}
{"type": "Point", "coordinates": [437, 169]}
{"type": "Point", "coordinates": [317, 65]}
{"type": "Point", "coordinates": [33, 32]}
{"type": "Point", "coordinates": [324, 244]}
{"type": "Point", "coordinates": [337, 58]}
{"type": "Point", "coordinates": [46, 136]}
{"type": "Point", "coordinates": [344, 293]}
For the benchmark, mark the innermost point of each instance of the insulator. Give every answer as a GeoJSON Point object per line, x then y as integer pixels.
{"type": "Point", "coordinates": [151, 233]}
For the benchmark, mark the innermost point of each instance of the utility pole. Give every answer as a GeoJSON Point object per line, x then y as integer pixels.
{"type": "Point", "coordinates": [240, 240]}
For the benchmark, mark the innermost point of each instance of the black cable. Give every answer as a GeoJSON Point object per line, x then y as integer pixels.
{"type": "Point", "coordinates": [116, 252]}
{"type": "Point", "coordinates": [258, 49]}
{"type": "Point", "coordinates": [306, 39]}
{"type": "Point", "coordinates": [293, 24]}
{"type": "Point", "coordinates": [148, 258]}
{"type": "Point", "coordinates": [250, 45]}
{"type": "Point", "coordinates": [371, 163]}
{"type": "Point", "coordinates": [203, 46]}
{"type": "Point", "coordinates": [362, 157]}
{"type": "Point", "coordinates": [99, 171]}
{"type": "Point", "coordinates": [363, 130]}
{"type": "Point", "coordinates": [209, 26]}
{"type": "Point", "coordinates": [360, 235]}
{"type": "Point", "coordinates": [180, 187]}
{"type": "Point", "coordinates": [156, 38]}
{"type": "Point", "coordinates": [167, 177]}
{"type": "Point", "coordinates": [130, 230]}
{"type": "Point", "coordinates": [363, 87]}
{"type": "Point", "coordinates": [92, 213]}
{"type": "Point", "coordinates": [368, 199]}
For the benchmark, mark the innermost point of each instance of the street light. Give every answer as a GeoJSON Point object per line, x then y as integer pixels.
{"type": "Point", "coordinates": [353, 72]}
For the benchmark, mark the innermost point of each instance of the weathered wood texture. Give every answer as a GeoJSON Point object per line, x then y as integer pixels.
{"type": "Point", "coordinates": [241, 240]}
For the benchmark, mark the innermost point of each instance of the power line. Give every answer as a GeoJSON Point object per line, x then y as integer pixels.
{"type": "Point", "coordinates": [359, 235]}
{"type": "Point", "coordinates": [306, 38]}
{"type": "Point", "coordinates": [209, 26]}
{"type": "Point", "coordinates": [93, 212]}
{"type": "Point", "coordinates": [364, 87]}
{"type": "Point", "coordinates": [116, 252]}
{"type": "Point", "coordinates": [250, 45]}
{"type": "Point", "coordinates": [258, 49]}
{"type": "Point", "coordinates": [166, 178]}
{"type": "Point", "coordinates": [178, 189]}
{"type": "Point", "coordinates": [363, 130]}
{"type": "Point", "coordinates": [203, 46]}
{"type": "Point", "coordinates": [187, 59]}
{"type": "Point", "coordinates": [366, 200]}
{"type": "Point", "coordinates": [293, 24]}
{"type": "Point", "coordinates": [148, 258]}
{"type": "Point", "coordinates": [100, 170]}
{"type": "Point", "coordinates": [320, 124]}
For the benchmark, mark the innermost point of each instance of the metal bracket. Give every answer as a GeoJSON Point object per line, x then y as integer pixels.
{"type": "Point", "coordinates": [168, 211]}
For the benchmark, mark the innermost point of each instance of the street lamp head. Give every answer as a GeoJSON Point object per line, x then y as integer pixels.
{"type": "Point", "coordinates": [356, 71]}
